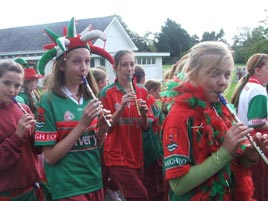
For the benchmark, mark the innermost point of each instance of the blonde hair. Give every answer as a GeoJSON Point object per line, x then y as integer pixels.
{"type": "Point", "coordinates": [181, 64]}
{"type": "Point", "coordinates": [46, 81]}
{"type": "Point", "coordinates": [176, 68]}
{"type": "Point", "coordinates": [200, 57]}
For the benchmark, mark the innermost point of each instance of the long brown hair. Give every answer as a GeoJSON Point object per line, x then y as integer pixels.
{"type": "Point", "coordinates": [30, 93]}
{"type": "Point", "coordinates": [255, 61]}
{"type": "Point", "coordinates": [119, 54]}
{"type": "Point", "coordinates": [58, 81]}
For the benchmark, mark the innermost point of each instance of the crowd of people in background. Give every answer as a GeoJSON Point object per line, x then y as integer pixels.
{"type": "Point", "coordinates": [240, 72]}
{"type": "Point", "coordinates": [81, 138]}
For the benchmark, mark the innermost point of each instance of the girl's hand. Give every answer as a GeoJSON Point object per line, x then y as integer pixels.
{"type": "Point", "coordinates": [262, 142]}
{"type": "Point", "coordinates": [102, 124]}
{"type": "Point", "coordinates": [131, 96]}
{"type": "Point", "coordinates": [91, 111]}
{"type": "Point", "coordinates": [26, 123]}
{"type": "Point", "coordinates": [143, 107]}
{"type": "Point", "coordinates": [235, 136]}
{"type": "Point", "coordinates": [250, 153]}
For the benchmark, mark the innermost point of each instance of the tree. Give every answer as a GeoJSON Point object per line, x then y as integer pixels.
{"type": "Point", "coordinates": [173, 39]}
{"type": "Point", "coordinates": [248, 42]}
{"type": "Point", "coordinates": [212, 36]}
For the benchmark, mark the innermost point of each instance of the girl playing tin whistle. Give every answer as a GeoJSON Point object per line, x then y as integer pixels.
{"type": "Point", "coordinates": [19, 173]}
{"type": "Point", "coordinates": [68, 126]}
{"type": "Point", "coordinates": [123, 150]}
{"type": "Point", "coordinates": [207, 155]}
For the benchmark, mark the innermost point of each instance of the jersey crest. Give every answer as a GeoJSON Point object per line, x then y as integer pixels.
{"type": "Point", "coordinates": [68, 116]}
{"type": "Point", "coordinates": [171, 141]}
{"type": "Point", "coordinates": [116, 106]}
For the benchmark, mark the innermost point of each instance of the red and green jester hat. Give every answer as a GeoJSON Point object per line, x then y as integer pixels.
{"type": "Point", "coordinates": [71, 40]}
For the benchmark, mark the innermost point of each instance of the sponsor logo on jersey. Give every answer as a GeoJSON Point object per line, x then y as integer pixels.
{"type": "Point", "coordinates": [68, 116]}
{"type": "Point", "coordinates": [175, 160]}
{"type": "Point", "coordinates": [129, 121]}
{"type": "Point", "coordinates": [45, 136]}
{"type": "Point", "coordinates": [117, 106]}
{"type": "Point", "coordinates": [85, 142]}
{"type": "Point", "coordinates": [172, 146]}
{"type": "Point", "coordinates": [41, 115]}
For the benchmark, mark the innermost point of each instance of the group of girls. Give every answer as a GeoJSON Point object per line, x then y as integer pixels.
{"type": "Point", "coordinates": [206, 154]}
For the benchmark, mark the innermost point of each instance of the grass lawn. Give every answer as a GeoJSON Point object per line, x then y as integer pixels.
{"type": "Point", "coordinates": [166, 67]}
{"type": "Point", "coordinates": [229, 92]}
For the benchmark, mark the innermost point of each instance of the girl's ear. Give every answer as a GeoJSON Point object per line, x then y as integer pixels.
{"type": "Point", "coordinates": [257, 71]}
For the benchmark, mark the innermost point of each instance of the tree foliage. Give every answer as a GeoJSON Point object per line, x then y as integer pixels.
{"type": "Point", "coordinates": [176, 40]}
{"type": "Point", "coordinates": [213, 36]}
{"type": "Point", "coordinates": [248, 42]}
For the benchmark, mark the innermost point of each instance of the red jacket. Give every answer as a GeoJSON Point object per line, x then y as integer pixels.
{"type": "Point", "coordinates": [18, 160]}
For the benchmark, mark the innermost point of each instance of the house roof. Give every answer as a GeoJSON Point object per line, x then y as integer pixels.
{"type": "Point", "coordinates": [33, 38]}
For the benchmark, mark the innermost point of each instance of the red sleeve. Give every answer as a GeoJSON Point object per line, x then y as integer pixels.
{"type": "Point", "coordinates": [10, 149]}
{"type": "Point", "coordinates": [10, 143]}
{"type": "Point", "coordinates": [176, 146]}
{"type": "Point", "coordinates": [36, 149]}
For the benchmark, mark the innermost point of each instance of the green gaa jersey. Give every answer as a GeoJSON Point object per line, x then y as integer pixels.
{"type": "Point", "coordinates": [79, 171]}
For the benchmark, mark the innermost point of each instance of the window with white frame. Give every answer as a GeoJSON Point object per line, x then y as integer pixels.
{"type": "Point", "coordinates": [145, 60]}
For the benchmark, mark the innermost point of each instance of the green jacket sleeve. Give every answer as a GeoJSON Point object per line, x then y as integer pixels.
{"type": "Point", "coordinates": [201, 172]}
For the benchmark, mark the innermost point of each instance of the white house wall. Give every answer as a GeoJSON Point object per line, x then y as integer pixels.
{"type": "Point", "coordinates": [117, 39]}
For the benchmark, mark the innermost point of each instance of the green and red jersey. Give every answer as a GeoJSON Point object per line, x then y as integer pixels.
{"type": "Point", "coordinates": [79, 171]}
{"type": "Point", "coordinates": [123, 146]}
{"type": "Point", "coordinates": [152, 147]}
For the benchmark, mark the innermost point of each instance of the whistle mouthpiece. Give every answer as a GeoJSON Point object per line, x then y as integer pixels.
{"type": "Point", "coordinates": [84, 79]}
{"type": "Point", "coordinates": [19, 105]}
{"type": "Point", "coordinates": [129, 78]}
{"type": "Point", "coordinates": [14, 100]}
{"type": "Point", "coordinates": [222, 99]}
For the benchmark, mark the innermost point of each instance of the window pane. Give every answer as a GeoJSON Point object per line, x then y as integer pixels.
{"type": "Point", "coordinates": [138, 60]}
{"type": "Point", "coordinates": [102, 61]}
{"type": "Point", "coordinates": [143, 60]}
{"type": "Point", "coordinates": [92, 62]}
